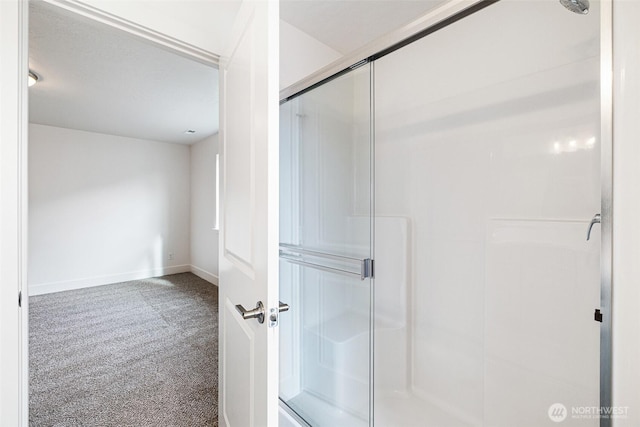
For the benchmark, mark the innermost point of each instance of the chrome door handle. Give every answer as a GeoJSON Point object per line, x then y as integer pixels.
{"type": "Point", "coordinates": [257, 313]}
{"type": "Point", "coordinates": [594, 220]}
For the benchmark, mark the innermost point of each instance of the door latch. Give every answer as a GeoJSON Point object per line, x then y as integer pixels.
{"type": "Point", "coordinates": [273, 313]}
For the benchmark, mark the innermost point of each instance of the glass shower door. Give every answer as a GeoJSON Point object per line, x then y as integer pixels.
{"type": "Point", "coordinates": [326, 251]}
{"type": "Point", "coordinates": [487, 177]}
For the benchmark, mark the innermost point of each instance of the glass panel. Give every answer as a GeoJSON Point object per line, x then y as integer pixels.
{"type": "Point", "coordinates": [325, 214]}
{"type": "Point", "coordinates": [487, 175]}
{"type": "Point", "coordinates": [324, 365]}
{"type": "Point", "coordinates": [326, 167]}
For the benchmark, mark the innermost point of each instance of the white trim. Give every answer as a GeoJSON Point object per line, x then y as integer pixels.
{"type": "Point", "coordinates": [23, 210]}
{"type": "Point", "coordinates": [204, 274]}
{"type": "Point", "coordinates": [161, 40]}
{"type": "Point", "coordinates": [14, 335]}
{"type": "Point", "coordinates": [68, 285]}
{"type": "Point", "coordinates": [625, 213]}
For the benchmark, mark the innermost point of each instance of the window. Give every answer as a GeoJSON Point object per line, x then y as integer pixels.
{"type": "Point", "coordinates": [216, 221]}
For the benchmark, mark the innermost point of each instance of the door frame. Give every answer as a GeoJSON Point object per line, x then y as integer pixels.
{"type": "Point", "coordinates": [459, 9]}
{"type": "Point", "coordinates": [21, 159]}
{"type": "Point", "coordinates": [14, 214]}
{"type": "Point", "coordinates": [15, 127]}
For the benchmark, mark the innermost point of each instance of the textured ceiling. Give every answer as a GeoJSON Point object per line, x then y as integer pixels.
{"type": "Point", "coordinates": [346, 25]}
{"type": "Point", "coordinates": [99, 79]}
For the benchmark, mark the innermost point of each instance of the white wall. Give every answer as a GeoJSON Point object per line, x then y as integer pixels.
{"type": "Point", "coordinates": [487, 141]}
{"type": "Point", "coordinates": [204, 238]}
{"type": "Point", "coordinates": [301, 54]}
{"type": "Point", "coordinates": [104, 208]}
{"type": "Point", "coordinates": [626, 211]}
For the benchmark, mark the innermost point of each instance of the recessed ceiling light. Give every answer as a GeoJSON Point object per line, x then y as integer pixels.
{"type": "Point", "coordinates": [190, 131]}
{"type": "Point", "coordinates": [33, 78]}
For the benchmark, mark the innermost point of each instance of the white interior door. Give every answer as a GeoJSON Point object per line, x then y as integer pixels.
{"type": "Point", "coordinates": [248, 364]}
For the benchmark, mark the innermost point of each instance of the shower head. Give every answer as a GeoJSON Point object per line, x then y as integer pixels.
{"type": "Point", "coordinates": [576, 6]}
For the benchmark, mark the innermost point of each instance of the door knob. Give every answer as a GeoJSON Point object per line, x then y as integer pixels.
{"type": "Point", "coordinates": [594, 220]}
{"type": "Point", "coordinates": [257, 313]}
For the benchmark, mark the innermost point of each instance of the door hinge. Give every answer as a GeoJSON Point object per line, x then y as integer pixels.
{"type": "Point", "coordinates": [20, 299]}
{"type": "Point", "coordinates": [597, 316]}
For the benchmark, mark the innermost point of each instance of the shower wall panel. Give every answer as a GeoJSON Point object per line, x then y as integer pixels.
{"type": "Point", "coordinates": [487, 146]}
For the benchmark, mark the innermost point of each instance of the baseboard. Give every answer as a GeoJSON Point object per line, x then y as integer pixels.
{"type": "Point", "coordinates": [68, 285]}
{"type": "Point", "coordinates": [204, 274]}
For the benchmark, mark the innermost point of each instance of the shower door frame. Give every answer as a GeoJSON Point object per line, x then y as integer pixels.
{"type": "Point", "coordinates": [366, 265]}
{"type": "Point", "coordinates": [606, 203]}
{"type": "Point", "coordinates": [442, 17]}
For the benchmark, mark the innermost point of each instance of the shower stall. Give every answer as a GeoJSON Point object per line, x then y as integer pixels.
{"type": "Point", "coordinates": [436, 201]}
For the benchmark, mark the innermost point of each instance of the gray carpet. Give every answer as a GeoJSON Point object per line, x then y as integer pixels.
{"type": "Point", "coordinates": [139, 353]}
